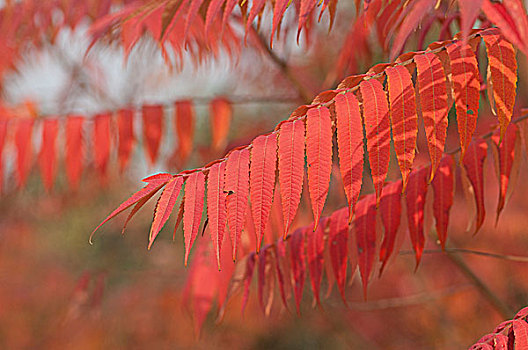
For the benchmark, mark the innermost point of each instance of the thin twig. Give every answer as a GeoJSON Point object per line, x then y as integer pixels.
{"type": "Point", "coordinates": [521, 259]}
{"type": "Point", "coordinates": [498, 304]}
{"type": "Point", "coordinates": [416, 299]}
{"type": "Point", "coordinates": [304, 93]}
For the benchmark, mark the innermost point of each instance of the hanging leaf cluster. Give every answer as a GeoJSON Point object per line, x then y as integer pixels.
{"type": "Point", "coordinates": [97, 136]}
{"type": "Point", "coordinates": [510, 334]}
{"type": "Point", "coordinates": [367, 111]}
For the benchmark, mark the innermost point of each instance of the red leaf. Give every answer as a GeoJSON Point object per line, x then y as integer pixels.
{"type": "Point", "coordinates": [502, 69]}
{"type": "Point", "coordinates": [164, 207]}
{"type": "Point", "coordinates": [500, 342]}
{"type": "Point", "coordinates": [3, 132]}
{"type": "Point", "coordinates": [184, 125]}
{"type": "Point", "coordinates": [248, 275]}
{"type": "Point", "coordinates": [350, 143]}
{"type": "Point", "coordinates": [523, 313]}
{"type": "Point", "coordinates": [506, 156]}
{"type": "Point", "coordinates": [256, 9]}
{"type": "Point", "coordinates": [433, 102]}
{"type": "Point", "coordinates": [148, 191]}
{"type": "Point", "coordinates": [410, 21]}
{"type": "Point", "coordinates": [318, 157]}
{"type": "Point", "coordinates": [262, 181]}
{"type": "Point", "coordinates": [443, 188]}
{"type": "Point", "coordinates": [283, 274]}
{"type": "Point", "coordinates": [469, 10]}
{"type": "Point", "coordinates": [24, 128]}
{"type": "Point", "coordinates": [101, 142]}
{"type": "Point", "coordinates": [228, 9]}
{"type": "Point", "coordinates": [48, 152]}
{"type": "Point", "coordinates": [237, 189]}
{"type": "Point", "coordinates": [194, 6]}
{"type": "Point", "coordinates": [74, 150]}
{"type": "Point", "coordinates": [403, 117]}
{"type": "Point", "coordinates": [152, 130]}
{"type": "Point", "coordinates": [474, 166]}
{"type": "Point", "coordinates": [390, 210]}
{"type": "Point", "coordinates": [510, 17]}
{"type": "Point", "coordinates": [291, 168]}
{"type": "Point", "coordinates": [278, 12]}
{"type": "Point", "coordinates": [376, 118]}
{"type": "Point", "coordinates": [315, 241]}
{"type": "Point", "coordinates": [307, 6]}
{"type": "Point", "coordinates": [298, 265]}
{"type": "Point", "coordinates": [221, 115]}
{"type": "Point", "coordinates": [216, 206]}
{"type": "Point", "coordinates": [266, 280]}
{"type": "Point", "coordinates": [213, 9]}
{"type": "Point", "coordinates": [192, 209]}
{"type": "Point", "coordinates": [203, 281]}
{"type": "Point", "coordinates": [338, 247]}
{"type": "Point", "coordinates": [365, 227]}
{"type": "Point", "coordinates": [415, 199]}
{"type": "Point", "coordinates": [125, 124]}
{"type": "Point", "coordinates": [520, 330]}
{"type": "Point", "coordinates": [466, 86]}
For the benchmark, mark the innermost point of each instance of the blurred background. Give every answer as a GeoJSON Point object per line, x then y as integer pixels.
{"type": "Point", "coordinates": [59, 292]}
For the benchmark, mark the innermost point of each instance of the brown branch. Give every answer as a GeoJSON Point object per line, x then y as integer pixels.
{"type": "Point", "coordinates": [409, 300]}
{"type": "Point", "coordinates": [304, 94]}
{"type": "Point", "coordinates": [499, 305]}
{"type": "Point", "coordinates": [514, 258]}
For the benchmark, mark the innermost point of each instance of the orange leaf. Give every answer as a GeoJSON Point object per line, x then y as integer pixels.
{"type": "Point", "coordinates": [152, 130]}
{"type": "Point", "coordinates": [376, 119]}
{"type": "Point", "coordinates": [466, 86]}
{"type": "Point", "coordinates": [184, 125]}
{"type": "Point", "coordinates": [48, 152]}
{"type": "Point", "coordinates": [506, 155]}
{"type": "Point", "coordinates": [502, 66]}
{"type": "Point", "coordinates": [221, 115]}
{"type": "Point", "coordinates": [24, 128]}
{"type": "Point", "coordinates": [403, 117]}
{"type": "Point", "coordinates": [433, 103]}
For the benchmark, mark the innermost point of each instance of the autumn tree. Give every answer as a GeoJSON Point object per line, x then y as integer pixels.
{"type": "Point", "coordinates": [369, 152]}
